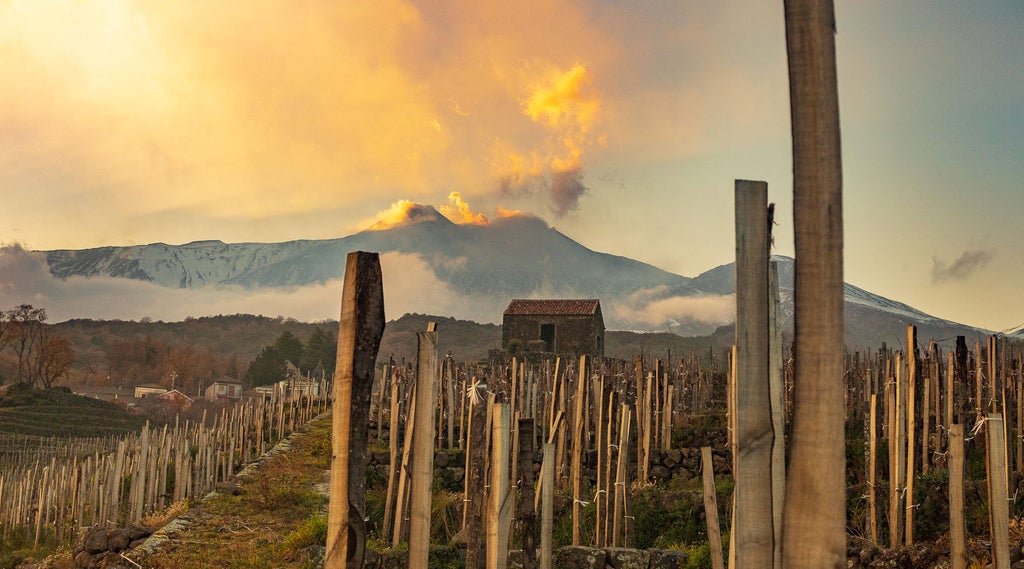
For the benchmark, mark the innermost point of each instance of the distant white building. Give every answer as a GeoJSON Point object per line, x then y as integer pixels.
{"type": "Point", "coordinates": [293, 384]}
{"type": "Point", "coordinates": [149, 389]}
{"type": "Point", "coordinates": [224, 388]}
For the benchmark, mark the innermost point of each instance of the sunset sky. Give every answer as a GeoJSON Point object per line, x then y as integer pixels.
{"type": "Point", "coordinates": [623, 124]}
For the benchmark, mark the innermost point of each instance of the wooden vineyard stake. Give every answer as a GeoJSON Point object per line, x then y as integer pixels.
{"type": "Point", "coordinates": [666, 418]}
{"type": "Point", "coordinates": [925, 431]}
{"type": "Point", "coordinates": [437, 405]}
{"type": "Point", "coordinates": [385, 382]}
{"type": "Point", "coordinates": [608, 485]}
{"type": "Point", "coordinates": [978, 382]}
{"type": "Point", "coordinates": [498, 512]}
{"type": "Point", "coordinates": [525, 514]}
{"type": "Point", "coordinates": [577, 450]}
{"type": "Point", "coordinates": [423, 447]}
{"type": "Point", "coordinates": [950, 392]}
{"type": "Point", "coordinates": [711, 509]}
{"type": "Point", "coordinates": [658, 405]}
{"type": "Point", "coordinates": [898, 490]}
{"type": "Point", "coordinates": [752, 462]}
{"type": "Point", "coordinates": [941, 429]}
{"type": "Point", "coordinates": [450, 385]}
{"type": "Point", "coordinates": [644, 432]}
{"type": "Point", "coordinates": [815, 516]}
{"type": "Point", "coordinates": [997, 492]}
{"type": "Point", "coordinates": [873, 469]}
{"type": "Point", "coordinates": [42, 505]}
{"type": "Point", "coordinates": [393, 464]}
{"type": "Point", "coordinates": [547, 505]}
{"type": "Point", "coordinates": [957, 534]}
{"type": "Point", "coordinates": [554, 429]}
{"type": "Point", "coordinates": [476, 468]}
{"type": "Point", "coordinates": [359, 332]}
{"type": "Point", "coordinates": [911, 431]}
{"type": "Point", "coordinates": [534, 401]}
{"type": "Point", "coordinates": [621, 475]}
{"type": "Point", "coordinates": [992, 369]}
{"type": "Point", "coordinates": [563, 408]}
{"type": "Point", "coordinates": [600, 444]}
{"type": "Point", "coordinates": [1019, 390]}
{"type": "Point", "coordinates": [1000, 379]}
{"type": "Point", "coordinates": [961, 382]}
{"type": "Point", "coordinates": [639, 410]}
{"type": "Point", "coordinates": [404, 473]}
{"type": "Point", "coordinates": [554, 406]}
{"type": "Point", "coordinates": [776, 385]}
{"type": "Point", "coordinates": [514, 462]}
{"type": "Point", "coordinates": [463, 414]}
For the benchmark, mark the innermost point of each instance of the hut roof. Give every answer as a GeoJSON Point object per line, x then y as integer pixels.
{"type": "Point", "coordinates": [559, 307]}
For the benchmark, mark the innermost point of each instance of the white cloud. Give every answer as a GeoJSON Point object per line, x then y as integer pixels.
{"type": "Point", "coordinates": [409, 286]}
{"type": "Point", "coordinates": [652, 309]}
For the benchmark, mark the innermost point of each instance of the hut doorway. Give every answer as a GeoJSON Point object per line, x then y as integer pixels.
{"type": "Point", "coordinates": [547, 335]}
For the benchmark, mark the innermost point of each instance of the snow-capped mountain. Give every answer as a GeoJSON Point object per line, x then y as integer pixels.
{"type": "Point", "coordinates": [514, 257]}
{"type": "Point", "coordinates": [870, 318]}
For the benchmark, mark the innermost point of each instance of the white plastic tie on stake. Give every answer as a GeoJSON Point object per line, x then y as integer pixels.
{"type": "Point", "coordinates": [977, 427]}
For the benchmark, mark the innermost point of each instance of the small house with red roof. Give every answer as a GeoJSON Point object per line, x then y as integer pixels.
{"type": "Point", "coordinates": [556, 326]}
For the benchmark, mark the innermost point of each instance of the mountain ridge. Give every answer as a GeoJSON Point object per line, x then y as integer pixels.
{"type": "Point", "coordinates": [485, 265]}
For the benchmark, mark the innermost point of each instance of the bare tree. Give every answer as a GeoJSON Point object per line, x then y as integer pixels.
{"type": "Point", "coordinates": [24, 328]}
{"type": "Point", "coordinates": [52, 357]}
{"type": "Point", "coordinates": [5, 326]}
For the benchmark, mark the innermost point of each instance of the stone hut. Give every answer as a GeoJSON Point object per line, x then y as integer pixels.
{"type": "Point", "coordinates": [564, 327]}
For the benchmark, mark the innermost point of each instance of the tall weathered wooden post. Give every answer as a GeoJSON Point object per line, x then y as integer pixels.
{"type": "Point", "coordinates": [997, 491]}
{"type": "Point", "coordinates": [777, 396]}
{"type": "Point", "coordinates": [359, 334]}
{"type": "Point", "coordinates": [814, 533]}
{"type": "Point", "coordinates": [526, 516]}
{"type": "Point", "coordinates": [754, 530]}
{"type": "Point", "coordinates": [423, 447]}
{"type": "Point", "coordinates": [711, 509]}
{"type": "Point", "coordinates": [957, 533]}
{"type": "Point", "coordinates": [476, 469]}
{"type": "Point", "coordinates": [499, 510]}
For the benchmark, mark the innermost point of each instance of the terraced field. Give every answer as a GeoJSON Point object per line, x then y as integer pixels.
{"type": "Point", "coordinates": [57, 412]}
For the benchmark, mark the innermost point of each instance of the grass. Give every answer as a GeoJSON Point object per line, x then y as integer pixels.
{"type": "Point", "coordinates": [17, 547]}
{"type": "Point", "coordinates": [270, 524]}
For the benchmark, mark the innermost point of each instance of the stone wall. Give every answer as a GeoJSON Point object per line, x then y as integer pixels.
{"type": "Point", "coordinates": [574, 334]}
{"type": "Point", "coordinates": [101, 546]}
{"type": "Point", "coordinates": [449, 466]}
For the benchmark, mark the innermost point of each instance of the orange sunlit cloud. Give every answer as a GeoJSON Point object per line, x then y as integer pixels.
{"type": "Point", "coordinates": [565, 97]}
{"type": "Point", "coordinates": [504, 212]}
{"type": "Point", "coordinates": [176, 117]}
{"type": "Point", "coordinates": [400, 213]}
{"type": "Point", "coordinates": [567, 104]}
{"type": "Point", "coordinates": [460, 212]}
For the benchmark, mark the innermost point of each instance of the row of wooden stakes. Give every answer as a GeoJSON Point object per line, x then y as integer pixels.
{"type": "Point", "coordinates": [83, 485]}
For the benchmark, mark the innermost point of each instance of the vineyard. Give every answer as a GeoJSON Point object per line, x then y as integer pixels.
{"type": "Point", "coordinates": [53, 489]}
{"type": "Point", "coordinates": [911, 463]}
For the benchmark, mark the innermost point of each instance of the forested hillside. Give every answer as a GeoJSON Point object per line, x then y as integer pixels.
{"type": "Point", "coordinates": [198, 350]}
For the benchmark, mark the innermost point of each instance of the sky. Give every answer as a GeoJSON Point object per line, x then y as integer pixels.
{"type": "Point", "coordinates": [621, 124]}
